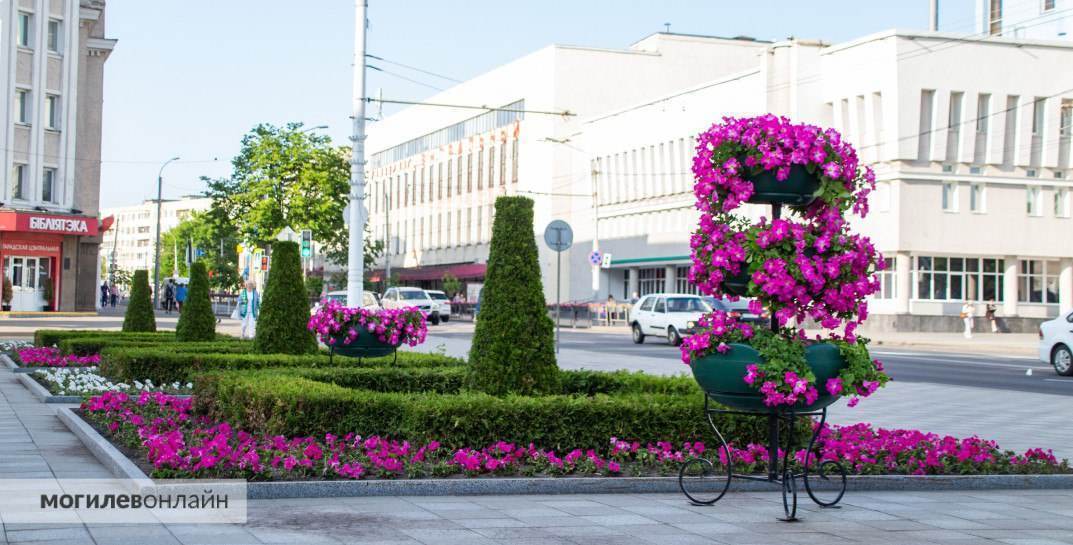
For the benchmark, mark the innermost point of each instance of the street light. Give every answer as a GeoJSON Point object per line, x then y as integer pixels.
{"type": "Point", "coordinates": [156, 260]}
{"type": "Point", "coordinates": [318, 127]}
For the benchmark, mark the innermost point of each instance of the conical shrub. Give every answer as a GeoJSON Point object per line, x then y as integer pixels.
{"type": "Point", "coordinates": [139, 316]}
{"type": "Point", "coordinates": [197, 322]}
{"type": "Point", "coordinates": [284, 315]}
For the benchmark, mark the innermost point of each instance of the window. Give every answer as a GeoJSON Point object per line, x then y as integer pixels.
{"type": "Point", "coordinates": [491, 166]}
{"type": "Point", "coordinates": [1038, 109]}
{"type": "Point", "coordinates": [439, 181]}
{"type": "Point", "coordinates": [888, 280]}
{"type": "Point", "coordinates": [54, 36]}
{"type": "Point", "coordinates": [950, 197]}
{"type": "Point", "coordinates": [983, 112]}
{"type": "Point", "coordinates": [421, 185]}
{"type": "Point", "coordinates": [977, 199]}
{"type": "Point", "coordinates": [651, 280]}
{"type": "Point", "coordinates": [480, 170]}
{"type": "Point", "coordinates": [648, 303]}
{"type": "Point", "coordinates": [1009, 144]}
{"type": "Point", "coordinates": [1061, 203]}
{"type": "Point", "coordinates": [1032, 201]}
{"type": "Point", "coordinates": [469, 172]}
{"type": "Point", "coordinates": [1038, 282]}
{"type": "Point", "coordinates": [514, 162]}
{"type": "Point", "coordinates": [1065, 119]}
{"type": "Point", "coordinates": [52, 111]}
{"type": "Point", "coordinates": [953, 126]}
{"type": "Point", "coordinates": [681, 281]}
{"type": "Point", "coordinates": [48, 185]}
{"type": "Point", "coordinates": [959, 278]}
{"type": "Point", "coordinates": [502, 165]}
{"type": "Point", "coordinates": [661, 305]}
{"type": "Point", "coordinates": [449, 177]}
{"type": "Point", "coordinates": [994, 26]}
{"type": "Point", "coordinates": [927, 102]}
{"type": "Point", "coordinates": [1048, 5]}
{"type": "Point", "coordinates": [22, 105]}
{"type": "Point", "coordinates": [18, 182]}
{"type": "Point", "coordinates": [25, 27]}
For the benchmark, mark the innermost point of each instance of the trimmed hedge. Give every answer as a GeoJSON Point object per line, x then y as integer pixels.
{"type": "Point", "coordinates": [88, 345]}
{"type": "Point", "coordinates": [282, 322]}
{"type": "Point", "coordinates": [166, 364]}
{"type": "Point", "coordinates": [281, 403]}
{"type": "Point", "coordinates": [139, 316]}
{"type": "Point", "coordinates": [197, 321]}
{"type": "Point", "coordinates": [53, 337]}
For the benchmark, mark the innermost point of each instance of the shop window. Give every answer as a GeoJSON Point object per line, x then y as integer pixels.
{"type": "Point", "coordinates": [941, 278]}
{"type": "Point", "coordinates": [888, 284]}
{"type": "Point", "coordinates": [1038, 282]}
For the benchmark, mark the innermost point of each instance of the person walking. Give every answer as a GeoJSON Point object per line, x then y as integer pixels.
{"type": "Point", "coordinates": [989, 312]}
{"type": "Point", "coordinates": [248, 309]}
{"type": "Point", "coordinates": [180, 296]}
{"type": "Point", "coordinates": [610, 307]}
{"type": "Point", "coordinates": [169, 296]}
{"type": "Point", "coordinates": [966, 316]}
{"type": "Point", "coordinates": [104, 294]}
{"type": "Point", "coordinates": [113, 295]}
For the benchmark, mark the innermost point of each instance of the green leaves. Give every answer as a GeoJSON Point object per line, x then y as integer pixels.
{"type": "Point", "coordinates": [281, 326]}
{"type": "Point", "coordinates": [139, 316]}
{"type": "Point", "coordinates": [197, 321]}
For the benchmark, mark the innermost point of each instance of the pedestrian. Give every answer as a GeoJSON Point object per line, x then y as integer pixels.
{"type": "Point", "coordinates": [113, 294]}
{"type": "Point", "coordinates": [169, 296]}
{"type": "Point", "coordinates": [248, 309]}
{"type": "Point", "coordinates": [104, 294]}
{"type": "Point", "coordinates": [989, 312]}
{"type": "Point", "coordinates": [180, 296]}
{"type": "Point", "coordinates": [966, 316]}
{"type": "Point", "coordinates": [610, 307]}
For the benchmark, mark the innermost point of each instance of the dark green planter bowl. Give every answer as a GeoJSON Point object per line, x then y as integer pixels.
{"type": "Point", "coordinates": [737, 284]}
{"type": "Point", "coordinates": [799, 189]}
{"type": "Point", "coordinates": [721, 376]}
{"type": "Point", "coordinates": [365, 346]}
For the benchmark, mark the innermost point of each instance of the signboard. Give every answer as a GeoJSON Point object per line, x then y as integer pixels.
{"type": "Point", "coordinates": [595, 258]}
{"type": "Point", "coordinates": [30, 248]}
{"type": "Point", "coordinates": [605, 263]}
{"type": "Point", "coordinates": [48, 223]}
{"type": "Point", "coordinates": [559, 236]}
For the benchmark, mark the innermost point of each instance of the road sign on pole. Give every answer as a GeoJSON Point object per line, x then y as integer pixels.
{"type": "Point", "coordinates": [559, 237]}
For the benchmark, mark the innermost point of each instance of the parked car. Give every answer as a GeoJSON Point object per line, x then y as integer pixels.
{"type": "Point", "coordinates": [369, 300]}
{"type": "Point", "coordinates": [738, 309]}
{"type": "Point", "coordinates": [412, 297]}
{"type": "Point", "coordinates": [444, 302]}
{"type": "Point", "coordinates": [1056, 343]}
{"type": "Point", "coordinates": [669, 315]}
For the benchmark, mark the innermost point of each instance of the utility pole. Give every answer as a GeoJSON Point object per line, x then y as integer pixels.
{"type": "Point", "coordinates": [115, 243]}
{"type": "Point", "coordinates": [355, 257]}
{"type": "Point", "coordinates": [156, 246]}
{"type": "Point", "coordinates": [387, 235]}
{"type": "Point", "coordinates": [933, 16]}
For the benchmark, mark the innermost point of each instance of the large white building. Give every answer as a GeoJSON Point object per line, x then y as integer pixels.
{"type": "Point", "coordinates": [973, 165]}
{"type": "Point", "coordinates": [131, 241]}
{"type": "Point", "coordinates": [1025, 19]}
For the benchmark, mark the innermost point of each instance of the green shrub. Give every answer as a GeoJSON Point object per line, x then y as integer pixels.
{"type": "Point", "coordinates": [139, 316]}
{"type": "Point", "coordinates": [284, 315]}
{"type": "Point", "coordinates": [84, 346]}
{"type": "Point", "coordinates": [197, 321]}
{"type": "Point", "coordinates": [512, 349]}
{"type": "Point", "coordinates": [53, 337]}
{"type": "Point", "coordinates": [166, 364]}
{"type": "Point", "coordinates": [279, 403]}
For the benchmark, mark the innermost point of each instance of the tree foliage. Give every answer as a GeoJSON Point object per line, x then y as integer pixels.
{"type": "Point", "coordinates": [139, 316]}
{"type": "Point", "coordinates": [215, 235]}
{"type": "Point", "coordinates": [281, 326]}
{"type": "Point", "coordinates": [451, 284]}
{"type": "Point", "coordinates": [197, 322]}
{"type": "Point", "coordinates": [512, 350]}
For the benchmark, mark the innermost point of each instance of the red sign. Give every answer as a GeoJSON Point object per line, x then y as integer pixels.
{"type": "Point", "coordinates": [29, 247]}
{"type": "Point", "coordinates": [48, 223]}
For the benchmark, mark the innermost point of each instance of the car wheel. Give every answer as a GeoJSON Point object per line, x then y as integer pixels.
{"type": "Point", "coordinates": [673, 338]}
{"type": "Point", "coordinates": [638, 336]}
{"type": "Point", "coordinates": [446, 319]}
{"type": "Point", "coordinates": [1062, 360]}
{"type": "Point", "coordinates": [434, 319]}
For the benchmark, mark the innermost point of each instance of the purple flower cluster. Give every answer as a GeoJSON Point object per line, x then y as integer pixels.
{"type": "Point", "coordinates": [336, 324]}
{"type": "Point", "coordinates": [46, 356]}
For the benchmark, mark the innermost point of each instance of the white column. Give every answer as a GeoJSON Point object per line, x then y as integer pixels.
{"type": "Point", "coordinates": [634, 286]}
{"type": "Point", "coordinates": [1009, 289]}
{"type": "Point", "coordinates": [669, 276]}
{"type": "Point", "coordinates": [358, 213]}
{"type": "Point", "coordinates": [903, 283]}
{"type": "Point", "coordinates": [1065, 286]}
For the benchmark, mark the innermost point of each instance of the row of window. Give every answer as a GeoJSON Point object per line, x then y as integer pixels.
{"type": "Point", "coordinates": [647, 171]}
{"type": "Point", "coordinates": [24, 109]}
{"type": "Point", "coordinates": [20, 182]}
{"type": "Point", "coordinates": [25, 33]}
{"type": "Point", "coordinates": [1034, 202]}
{"type": "Point", "coordinates": [439, 231]}
{"type": "Point", "coordinates": [478, 124]}
{"type": "Point", "coordinates": [441, 179]}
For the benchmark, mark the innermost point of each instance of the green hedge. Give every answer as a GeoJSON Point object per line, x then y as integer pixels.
{"type": "Point", "coordinates": [282, 403]}
{"type": "Point", "coordinates": [52, 337]}
{"type": "Point", "coordinates": [84, 346]}
{"type": "Point", "coordinates": [139, 316]}
{"type": "Point", "coordinates": [197, 321]}
{"type": "Point", "coordinates": [282, 323]}
{"type": "Point", "coordinates": [164, 364]}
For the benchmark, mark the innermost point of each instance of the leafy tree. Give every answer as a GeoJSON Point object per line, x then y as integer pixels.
{"type": "Point", "coordinates": [281, 325]}
{"type": "Point", "coordinates": [314, 286]}
{"type": "Point", "coordinates": [215, 236]}
{"type": "Point", "coordinates": [121, 277]}
{"type": "Point", "coordinates": [451, 284]}
{"type": "Point", "coordinates": [197, 322]}
{"type": "Point", "coordinates": [139, 316]}
{"type": "Point", "coordinates": [512, 350]}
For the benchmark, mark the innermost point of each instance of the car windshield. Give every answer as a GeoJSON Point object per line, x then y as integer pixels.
{"type": "Point", "coordinates": [413, 295]}
{"type": "Point", "coordinates": [438, 296]}
{"type": "Point", "coordinates": [338, 298]}
{"type": "Point", "coordinates": [686, 304]}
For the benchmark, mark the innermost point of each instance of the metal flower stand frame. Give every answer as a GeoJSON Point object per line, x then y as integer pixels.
{"type": "Point", "coordinates": [701, 483]}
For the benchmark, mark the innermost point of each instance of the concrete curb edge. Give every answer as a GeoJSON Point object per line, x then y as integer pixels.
{"type": "Point", "coordinates": [43, 394]}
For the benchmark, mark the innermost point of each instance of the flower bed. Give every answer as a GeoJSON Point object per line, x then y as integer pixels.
{"type": "Point", "coordinates": [166, 435]}
{"type": "Point", "coordinates": [44, 356]}
{"type": "Point", "coordinates": [11, 348]}
{"type": "Point", "coordinates": [78, 381]}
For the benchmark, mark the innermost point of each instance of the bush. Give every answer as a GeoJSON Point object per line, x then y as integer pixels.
{"type": "Point", "coordinates": [88, 345]}
{"type": "Point", "coordinates": [166, 364]}
{"type": "Point", "coordinates": [53, 337]}
{"type": "Point", "coordinates": [139, 316]}
{"type": "Point", "coordinates": [281, 325]}
{"type": "Point", "coordinates": [197, 321]}
{"type": "Point", "coordinates": [512, 350]}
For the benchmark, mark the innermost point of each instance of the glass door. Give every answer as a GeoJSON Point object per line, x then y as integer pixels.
{"type": "Point", "coordinates": [28, 276]}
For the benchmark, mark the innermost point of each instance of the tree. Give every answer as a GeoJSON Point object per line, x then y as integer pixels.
{"type": "Point", "coordinates": [197, 322]}
{"type": "Point", "coordinates": [211, 233]}
{"type": "Point", "coordinates": [121, 277]}
{"type": "Point", "coordinates": [281, 326]}
{"type": "Point", "coordinates": [451, 284]}
{"type": "Point", "coordinates": [139, 316]}
{"type": "Point", "coordinates": [512, 350]}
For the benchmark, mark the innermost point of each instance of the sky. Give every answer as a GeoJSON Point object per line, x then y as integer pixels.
{"type": "Point", "coordinates": [190, 78]}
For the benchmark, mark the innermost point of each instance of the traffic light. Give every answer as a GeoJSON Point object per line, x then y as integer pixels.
{"type": "Point", "coordinates": [264, 262]}
{"type": "Point", "coordinates": [307, 243]}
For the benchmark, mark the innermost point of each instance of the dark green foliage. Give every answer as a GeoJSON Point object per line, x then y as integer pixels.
{"type": "Point", "coordinates": [139, 315]}
{"type": "Point", "coordinates": [281, 326]}
{"type": "Point", "coordinates": [53, 337]}
{"type": "Point", "coordinates": [87, 345]}
{"type": "Point", "coordinates": [197, 321]}
{"type": "Point", "coordinates": [167, 364]}
{"type": "Point", "coordinates": [512, 350]}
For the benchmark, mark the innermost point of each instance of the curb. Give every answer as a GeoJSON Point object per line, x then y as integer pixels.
{"type": "Point", "coordinates": [15, 368]}
{"type": "Point", "coordinates": [122, 467]}
{"type": "Point", "coordinates": [43, 394]}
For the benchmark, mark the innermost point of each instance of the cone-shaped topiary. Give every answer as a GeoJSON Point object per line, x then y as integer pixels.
{"type": "Point", "coordinates": [281, 325]}
{"type": "Point", "coordinates": [197, 322]}
{"type": "Point", "coordinates": [139, 316]}
{"type": "Point", "coordinates": [512, 350]}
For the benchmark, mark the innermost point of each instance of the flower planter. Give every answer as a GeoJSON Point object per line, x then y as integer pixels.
{"type": "Point", "coordinates": [737, 284]}
{"type": "Point", "coordinates": [365, 346]}
{"type": "Point", "coordinates": [721, 376]}
{"type": "Point", "coordinates": [800, 188]}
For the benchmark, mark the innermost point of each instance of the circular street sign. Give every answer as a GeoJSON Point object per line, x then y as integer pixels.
{"type": "Point", "coordinates": [558, 235]}
{"type": "Point", "coordinates": [595, 258]}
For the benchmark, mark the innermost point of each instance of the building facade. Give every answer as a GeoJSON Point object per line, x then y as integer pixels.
{"type": "Point", "coordinates": [53, 54]}
{"type": "Point", "coordinates": [1025, 19]}
{"type": "Point", "coordinates": [130, 242]}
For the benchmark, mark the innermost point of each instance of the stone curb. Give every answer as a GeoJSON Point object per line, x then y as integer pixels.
{"type": "Point", "coordinates": [122, 467]}
{"type": "Point", "coordinates": [42, 394]}
{"type": "Point", "coordinates": [10, 364]}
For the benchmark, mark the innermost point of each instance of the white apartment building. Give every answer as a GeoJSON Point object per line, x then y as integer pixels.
{"type": "Point", "coordinates": [1025, 19]}
{"type": "Point", "coordinates": [52, 55]}
{"type": "Point", "coordinates": [131, 240]}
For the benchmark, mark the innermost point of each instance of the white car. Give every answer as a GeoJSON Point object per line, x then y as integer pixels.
{"type": "Point", "coordinates": [444, 303]}
{"type": "Point", "coordinates": [368, 299]}
{"type": "Point", "coordinates": [670, 315]}
{"type": "Point", "coordinates": [1056, 343]}
{"type": "Point", "coordinates": [412, 297]}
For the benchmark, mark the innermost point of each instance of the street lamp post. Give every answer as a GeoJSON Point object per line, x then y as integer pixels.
{"type": "Point", "coordinates": [355, 257]}
{"type": "Point", "coordinates": [156, 260]}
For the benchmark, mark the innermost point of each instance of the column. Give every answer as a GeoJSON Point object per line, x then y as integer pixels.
{"type": "Point", "coordinates": [903, 285]}
{"type": "Point", "coordinates": [1009, 288]}
{"type": "Point", "coordinates": [670, 273]}
{"type": "Point", "coordinates": [634, 286]}
{"type": "Point", "coordinates": [1065, 286]}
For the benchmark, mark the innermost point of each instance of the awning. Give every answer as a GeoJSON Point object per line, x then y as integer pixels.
{"type": "Point", "coordinates": [462, 271]}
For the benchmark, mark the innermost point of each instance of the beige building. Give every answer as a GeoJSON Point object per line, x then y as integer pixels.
{"type": "Point", "coordinates": [131, 240]}
{"type": "Point", "coordinates": [53, 54]}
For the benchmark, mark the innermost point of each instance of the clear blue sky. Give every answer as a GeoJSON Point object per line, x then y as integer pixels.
{"type": "Point", "coordinates": [190, 78]}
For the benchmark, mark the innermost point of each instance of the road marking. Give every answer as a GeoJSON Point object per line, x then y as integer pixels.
{"type": "Point", "coordinates": [941, 361]}
{"type": "Point", "coordinates": [1058, 379]}
{"type": "Point", "coordinates": [958, 354]}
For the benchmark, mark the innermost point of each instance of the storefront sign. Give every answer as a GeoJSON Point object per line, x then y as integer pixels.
{"type": "Point", "coordinates": [47, 223]}
{"type": "Point", "coordinates": [62, 225]}
{"type": "Point", "coordinates": [22, 247]}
